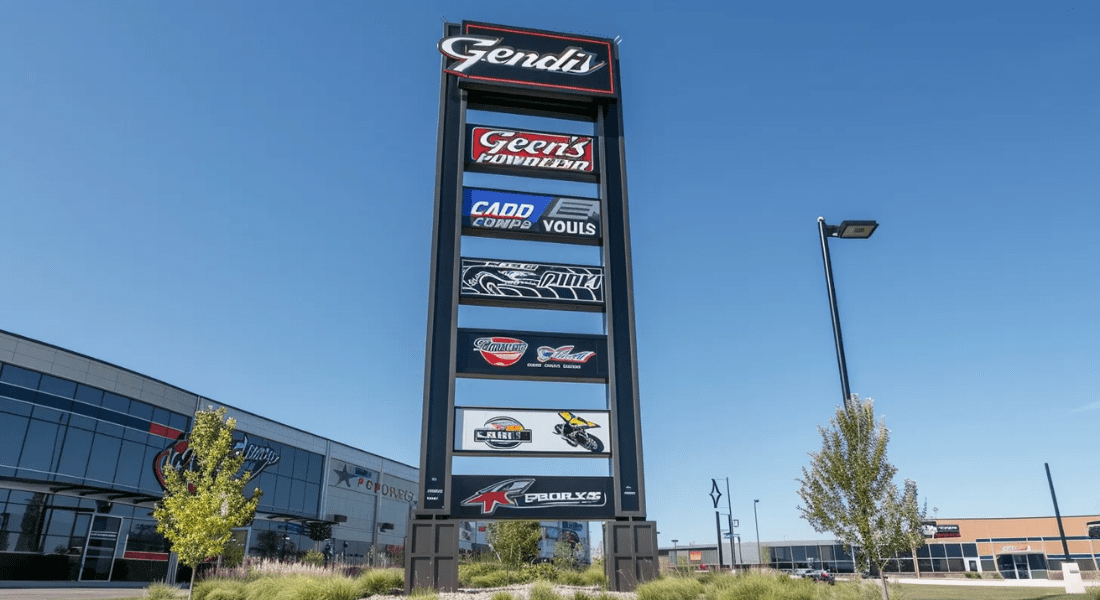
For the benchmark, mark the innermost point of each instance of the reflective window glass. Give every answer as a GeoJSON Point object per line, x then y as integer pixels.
{"type": "Point", "coordinates": [61, 523]}
{"type": "Point", "coordinates": [57, 387]}
{"type": "Point", "coordinates": [301, 464]}
{"type": "Point", "coordinates": [75, 452]}
{"type": "Point", "coordinates": [954, 550]}
{"type": "Point", "coordinates": [108, 428]}
{"type": "Point", "coordinates": [141, 410]}
{"type": "Point", "coordinates": [316, 462]}
{"type": "Point", "coordinates": [48, 414]}
{"type": "Point", "coordinates": [13, 430]}
{"type": "Point", "coordinates": [82, 422]}
{"type": "Point", "coordinates": [20, 376]}
{"type": "Point", "coordinates": [827, 553]}
{"type": "Point", "coordinates": [14, 407]}
{"type": "Point", "coordinates": [130, 464]}
{"type": "Point", "coordinates": [11, 390]}
{"type": "Point", "coordinates": [313, 498]}
{"type": "Point", "coordinates": [938, 551]}
{"type": "Point", "coordinates": [955, 565]}
{"type": "Point", "coordinates": [1036, 561]}
{"type": "Point", "coordinates": [177, 421]}
{"type": "Point", "coordinates": [89, 395]}
{"type": "Point", "coordinates": [161, 416]}
{"type": "Point", "coordinates": [282, 493]}
{"type": "Point", "coordinates": [104, 458]}
{"type": "Point", "coordinates": [116, 403]}
{"type": "Point", "coordinates": [799, 553]}
{"type": "Point", "coordinates": [297, 495]}
{"type": "Point", "coordinates": [147, 481]}
{"type": "Point", "coordinates": [970, 550]}
{"type": "Point", "coordinates": [285, 466]}
{"type": "Point", "coordinates": [924, 551]}
{"type": "Point", "coordinates": [38, 449]}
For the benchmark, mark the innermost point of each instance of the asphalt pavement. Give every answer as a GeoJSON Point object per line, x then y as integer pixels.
{"type": "Point", "coordinates": [98, 593]}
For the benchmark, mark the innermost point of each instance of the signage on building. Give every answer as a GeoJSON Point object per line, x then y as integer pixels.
{"type": "Point", "coordinates": [528, 355]}
{"type": "Point", "coordinates": [947, 531]}
{"type": "Point", "coordinates": [533, 497]}
{"type": "Point", "coordinates": [517, 430]}
{"type": "Point", "coordinates": [528, 58]}
{"type": "Point", "coordinates": [695, 556]}
{"type": "Point", "coordinates": [179, 456]}
{"type": "Point", "coordinates": [498, 213]}
{"type": "Point", "coordinates": [537, 285]}
{"type": "Point", "coordinates": [531, 153]}
{"type": "Point", "coordinates": [349, 476]}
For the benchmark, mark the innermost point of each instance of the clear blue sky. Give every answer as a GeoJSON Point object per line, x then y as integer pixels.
{"type": "Point", "coordinates": [237, 199]}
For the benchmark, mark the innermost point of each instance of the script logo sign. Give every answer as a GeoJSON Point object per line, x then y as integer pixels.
{"type": "Point", "coordinates": [528, 149]}
{"type": "Point", "coordinates": [500, 351]}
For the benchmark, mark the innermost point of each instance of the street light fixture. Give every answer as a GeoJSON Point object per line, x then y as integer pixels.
{"type": "Point", "coordinates": [857, 230]}
{"type": "Point", "coordinates": [757, 520]}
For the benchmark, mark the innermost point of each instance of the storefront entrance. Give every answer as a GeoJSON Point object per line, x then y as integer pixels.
{"type": "Point", "coordinates": [99, 549]}
{"type": "Point", "coordinates": [1022, 566]}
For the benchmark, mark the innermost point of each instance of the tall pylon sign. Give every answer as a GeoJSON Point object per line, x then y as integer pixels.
{"type": "Point", "coordinates": [516, 71]}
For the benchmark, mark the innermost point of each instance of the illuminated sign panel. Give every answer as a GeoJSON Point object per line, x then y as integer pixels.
{"type": "Point", "coordinates": [531, 153]}
{"type": "Point", "coordinates": [533, 497]}
{"type": "Point", "coordinates": [516, 430]}
{"type": "Point", "coordinates": [494, 354]}
{"type": "Point", "coordinates": [527, 58]}
{"type": "Point", "coordinates": [517, 215]}
{"type": "Point", "coordinates": [531, 285]}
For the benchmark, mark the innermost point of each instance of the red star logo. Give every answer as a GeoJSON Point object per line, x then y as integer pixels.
{"type": "Point", "coordinates": [489, 501]}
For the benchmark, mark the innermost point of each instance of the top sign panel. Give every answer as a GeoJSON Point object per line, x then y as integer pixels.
{"type": "Point", "coordinates": [533, 59]}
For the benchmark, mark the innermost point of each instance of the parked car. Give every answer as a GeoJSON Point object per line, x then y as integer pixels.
{"type": "Point", "coordinates": [816, 575]}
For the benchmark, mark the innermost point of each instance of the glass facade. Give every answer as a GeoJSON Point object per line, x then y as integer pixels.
{"type": "Point", "coordinates": [80, 473]}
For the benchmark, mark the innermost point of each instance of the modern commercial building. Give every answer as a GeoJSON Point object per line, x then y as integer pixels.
{"type": "Point", "coordinates": [82, 448]}
{"type": "Point", "coordinates": [1015, 548]}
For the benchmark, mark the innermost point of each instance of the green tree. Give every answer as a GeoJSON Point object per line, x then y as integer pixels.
{"type": "Point", "coordinates": [202, 503]}
{"type": "Point", "coordinates": [515, 542]}
{"type": "Point", "coordinates": [849, 489]}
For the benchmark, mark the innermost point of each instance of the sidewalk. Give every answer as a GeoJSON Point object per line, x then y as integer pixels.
{"type": "Point", "coordinates": [99, 593]}
{"type": "Point", "coordinates": [1033, 583]}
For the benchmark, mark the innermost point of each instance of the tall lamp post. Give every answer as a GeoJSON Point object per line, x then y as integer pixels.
{"type": "Point", "coordinates": [858, 230]}
{"type": "Point", "coordinates": [675, 554]}
{"type": "Point", "coordinates": [757, 521]}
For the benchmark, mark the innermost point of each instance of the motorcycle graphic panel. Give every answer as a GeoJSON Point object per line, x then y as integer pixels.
{"type": "Point", "coordinates": [499, 354]}
{"type": "Point", "coordinates": [512, 431]}
{"type": "Point", "coordinates": [517, 284]}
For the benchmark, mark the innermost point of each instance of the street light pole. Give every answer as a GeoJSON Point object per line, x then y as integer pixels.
{"type": "Point", "coordinates": [846, 229]}
{"type": "Point", "coordinates": [757, 521]}
{"type": "Point", "coordinates": [729, 505]}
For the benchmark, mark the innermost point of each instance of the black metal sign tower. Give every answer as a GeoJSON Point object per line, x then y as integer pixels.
{"type": "Point", "coordinates": [538, 73]}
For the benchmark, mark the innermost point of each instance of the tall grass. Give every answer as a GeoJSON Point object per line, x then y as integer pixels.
{"type": "Point", "coordinates": [271, 580]}
{"type": "Point", "coordinates": [491, 573]}
{"type": "Point", "coordinates": [757, 586]}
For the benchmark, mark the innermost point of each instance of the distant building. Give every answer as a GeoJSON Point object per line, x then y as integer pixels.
{"type": "Point", "coordinates": [1016, 548]}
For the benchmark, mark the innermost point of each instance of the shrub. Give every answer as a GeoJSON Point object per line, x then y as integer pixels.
{"type": "Point", "coordinates": [502, 596]}
{"type": "Point", "coordinates": [162, 591]}
{"type": "Point", "coordinates": [219, 589]}
{"type": "Point", "coordinates": [380, 581]}
{"type": "Point", "coordinates": [972, 575]}
{"type": "Point", "coordinates": [314, 557]}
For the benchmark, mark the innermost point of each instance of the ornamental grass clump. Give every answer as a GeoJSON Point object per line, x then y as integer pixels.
{"type": "Point", "coordinates": [542, 590]}
{"type": "Point", "coordinates": [380, 581]}
{"type": "Point", "coordinates": [502, 595]}
{"type": "Point", "coordinates": [670, 588]}
{"type": "Point", "coordinates": [759, 586]}
{"type": "Point", "coordinates": [162, 591]}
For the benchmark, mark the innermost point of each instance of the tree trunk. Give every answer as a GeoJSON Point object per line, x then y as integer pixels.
{"type": "Point", "coordinates": [885, 587]}
{"type": "Point", "coordinates": [191, 588]}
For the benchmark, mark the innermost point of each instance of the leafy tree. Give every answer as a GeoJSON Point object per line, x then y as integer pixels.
{"type": "Point", "coordinates": [515, 542]}
{"type": "Point", "coordinates": [318, 531]}
{"type": "Point", "coordinates": [849, 489]}
{"type": "Point", "coordinates": [565, 551]}
{"type": "Point", "coordinates": [202, 504]}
